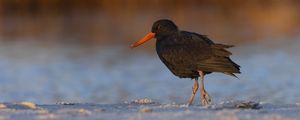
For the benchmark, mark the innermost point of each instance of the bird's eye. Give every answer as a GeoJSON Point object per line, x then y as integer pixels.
{"type": "Point", "coordinates": [158, 27]}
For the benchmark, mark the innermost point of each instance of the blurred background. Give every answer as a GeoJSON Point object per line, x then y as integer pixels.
{"type": "Point", "coordinates": [78, 51]}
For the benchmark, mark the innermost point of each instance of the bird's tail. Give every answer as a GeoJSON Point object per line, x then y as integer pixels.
{"type": "Point", "coordinates": [231, 74]}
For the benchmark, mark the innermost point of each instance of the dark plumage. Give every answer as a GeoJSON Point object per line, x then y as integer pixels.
{"type": "Point", "coordinates": [184, 53]}
{"type": "Point", "coordinates": [188, 54]}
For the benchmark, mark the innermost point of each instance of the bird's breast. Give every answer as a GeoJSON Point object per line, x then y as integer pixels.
{"type": "Point", "coordinates": [174, 55]}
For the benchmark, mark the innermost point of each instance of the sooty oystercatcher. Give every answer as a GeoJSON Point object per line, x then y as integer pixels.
{"type": "Point", "coordinates": [190, 55]}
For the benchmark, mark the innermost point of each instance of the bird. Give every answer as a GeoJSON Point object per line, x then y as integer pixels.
{"type": "Point", "coordinates": [190, 55]}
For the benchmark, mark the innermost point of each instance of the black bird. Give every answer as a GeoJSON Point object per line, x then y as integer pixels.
{"type": "Point", "coordinates": [190, 55]}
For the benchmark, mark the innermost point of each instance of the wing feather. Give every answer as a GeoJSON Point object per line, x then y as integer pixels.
{"type": "Point", "coordinates": [195, 52]}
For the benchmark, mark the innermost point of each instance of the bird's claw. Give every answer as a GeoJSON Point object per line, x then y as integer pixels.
{"type": "Point", "coordinates": [205, 98]}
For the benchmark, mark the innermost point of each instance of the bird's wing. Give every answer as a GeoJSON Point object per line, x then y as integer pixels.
{"type": "Point", "coordinates": [184, 52]}
{"type": "Point", "coordinates": [218, 60]}
{"type": "Point", "coordinates": [197, 52]}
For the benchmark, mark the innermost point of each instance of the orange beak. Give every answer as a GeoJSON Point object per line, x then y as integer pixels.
{"type": "Point", "coordinates": [148, 37]}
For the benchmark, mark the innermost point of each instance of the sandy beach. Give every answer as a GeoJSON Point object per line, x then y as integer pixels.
{"type": "Point", "coordinates": [231, 110]}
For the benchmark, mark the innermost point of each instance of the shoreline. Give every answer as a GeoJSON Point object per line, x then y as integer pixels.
{"type": "Point", "coordinates": [223, 110]}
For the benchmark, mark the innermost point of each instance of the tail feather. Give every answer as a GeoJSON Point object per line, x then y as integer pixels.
{"type": "Point", "coordinates": [223, 46]}
{"type": "Point", "coordinates": [231, 74]}
{"type": "Point", "coordinates": [220, 50]}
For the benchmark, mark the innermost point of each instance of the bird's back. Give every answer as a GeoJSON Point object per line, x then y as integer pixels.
{"type": "Point", "coordinates": [184, 53]}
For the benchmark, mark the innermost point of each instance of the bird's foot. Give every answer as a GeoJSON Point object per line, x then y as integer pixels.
{"type": "Point", "coordinates": [205, 98]}
{"type": "Point", "coordinates": [190, 102]}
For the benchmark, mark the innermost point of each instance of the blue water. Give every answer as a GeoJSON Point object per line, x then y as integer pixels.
{"type": "Point", "coordinates": [50, 73]}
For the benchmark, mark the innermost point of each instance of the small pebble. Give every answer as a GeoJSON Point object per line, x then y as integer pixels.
{"type": "Point", "coordinates": [146, 110]}
{"type": "Point", "coordinates": [29, 105]}
{"type": "Point", "coordinates": [85, 111]}
{"type": "Point", "coordinates": [2, 106]}
{"type": "Point", "coordinates": [248, 105]}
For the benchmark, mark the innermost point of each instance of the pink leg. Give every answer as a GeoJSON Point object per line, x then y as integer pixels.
{"type": "Point", "coordinates": [205, 98]}
{"type": "Point", "coordinates": [194, 90]}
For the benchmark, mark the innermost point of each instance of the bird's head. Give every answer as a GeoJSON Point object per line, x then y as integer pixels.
{"type": "Point", "coordinates": [160, 28]}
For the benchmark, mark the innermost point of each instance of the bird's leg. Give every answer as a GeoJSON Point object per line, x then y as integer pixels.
{"type": "Point", "coordinates": [194, 90]}
{"type": "Point", "coordinates": [205, 98]}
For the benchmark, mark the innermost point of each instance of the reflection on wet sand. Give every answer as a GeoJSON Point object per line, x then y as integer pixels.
{"type": "Point", "coordinates": [52, 73]}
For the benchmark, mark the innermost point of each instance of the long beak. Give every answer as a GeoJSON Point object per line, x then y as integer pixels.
{"type": "Point", "coordinates": [148, 37]}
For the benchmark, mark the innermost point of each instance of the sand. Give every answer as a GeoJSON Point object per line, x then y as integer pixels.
{"type": "Point", "coordinates": [230, 110]}
{"type": "Point", "coordinates": [107, 82]}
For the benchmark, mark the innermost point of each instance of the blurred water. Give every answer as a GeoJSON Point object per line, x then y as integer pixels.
{"type": "Point", "coordinates": [47, 73]}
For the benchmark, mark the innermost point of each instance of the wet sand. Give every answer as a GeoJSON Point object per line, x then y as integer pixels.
{"type": "Point", "coordinates": [133, 111]}
{"type": "Point", "coordinates": [97, 81]}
